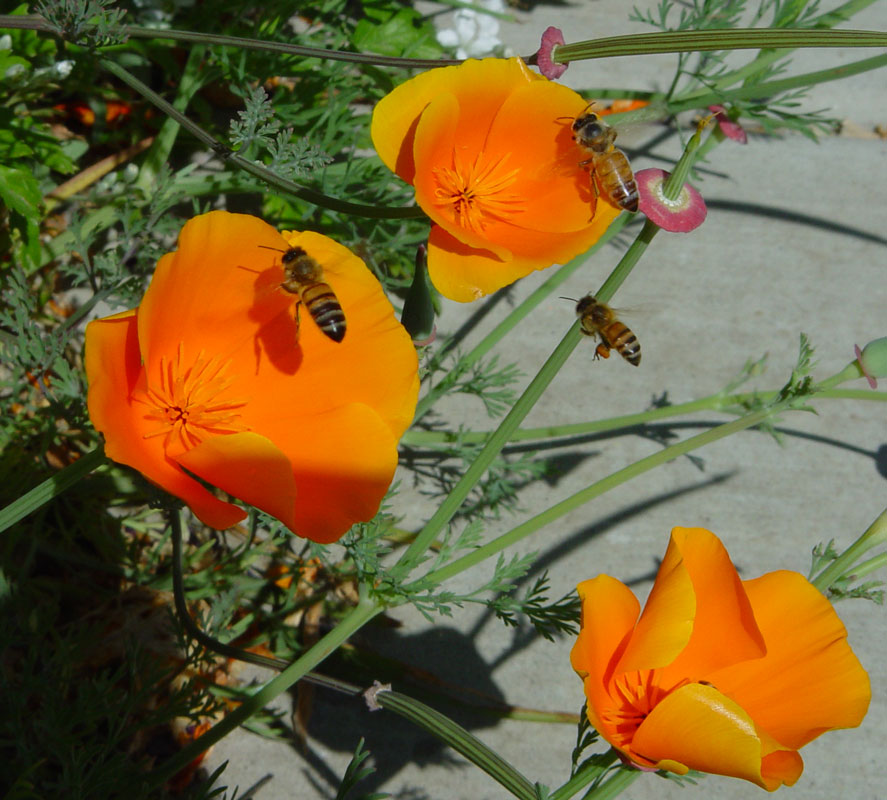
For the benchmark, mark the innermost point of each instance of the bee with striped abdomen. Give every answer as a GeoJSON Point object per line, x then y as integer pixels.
{"type": "Point", "coordinates": [598, 319]}
{"type": "Point", "coordinates": [610, 172]}
{"type": "Point", "coordinates": [303, 277]}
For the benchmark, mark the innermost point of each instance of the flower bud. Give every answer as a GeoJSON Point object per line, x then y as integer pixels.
{"type": "Point", "coordinates": [873, 360]}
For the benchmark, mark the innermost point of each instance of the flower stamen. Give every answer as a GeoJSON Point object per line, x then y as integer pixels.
{"type": "Point", "coordinates": [639, 694]}
{"type": "Point", "coordinates": [188, 403]}
{"type": "Point", "coordinates": [477, 191]}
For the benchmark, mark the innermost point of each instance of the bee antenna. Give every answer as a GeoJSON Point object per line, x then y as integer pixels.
{"type": "Point", "coordinates": [571, 299]}
{"type": "Point", "coordinates": [266, 247]}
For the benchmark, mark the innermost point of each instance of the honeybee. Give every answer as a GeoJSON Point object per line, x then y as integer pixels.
{"type": "Point", "coordinates": [598, 319]}
{"type": "Point", "coordinates": [610, 171]}
{"type": "Point", "coordinates": [304, 278]}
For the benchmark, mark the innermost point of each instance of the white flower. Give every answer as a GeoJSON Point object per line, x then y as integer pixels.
{"type": "Point", "coordinates": [5, 42]}
{"type": "Point", "coordinates": [63, 68]}
{"type": "Point", "coordinates": [473, 35]}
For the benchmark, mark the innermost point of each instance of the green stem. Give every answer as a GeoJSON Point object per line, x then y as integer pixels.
{"type": "Point", "coordinates": [494, 444]}
{"type": "Point", "coordinates": [613, 786]}
{"type": "Point", "coordinates": [52, 487]}
{"type": "Point", "coordinates": [763, 91]}
{"type": "Point", "coordinates": [767, 57]}
{"type": "Point", "coordinates": [244, 43]}
{"type": "Point", "coordinates": [860, 571]}
{"type": "Point", "coordinates": [506, 540]}
{"type": "Point", "coordinates": [37, 23]}
{"type": "Point", "coordinates": [628, 261]}
{"type": "Point", "coordinates": [590, 772]}
{"type": "Point", "coordinates": [715, 402]}
{"type": "Point", "coordinates": [259, 171]}
{"type": "Point", "coordinates": [518, 412]}
{"type": "Point", "coordinates": [460, 740]}
{"type": "Point", "coordinates": [157, 156]}
{"type": "Point", "coordinates": [725, 39]}
{"type": "Point", "coordinates": [875, 535]}
{"type": "Point", "coordinates": [500, 543]}
{"type": "Point", "coordinates": [518, 314]}
{"type": "Point", "coordinates": [362, 613]}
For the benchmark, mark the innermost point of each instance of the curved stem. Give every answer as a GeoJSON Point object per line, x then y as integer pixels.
{"type": "Point", "coordinates": [460, 740]}
{"type": "Point", "coordinates": [243, 43]}
{"type": "Point", "coordinates": [259, 171]}
{"type": "Point", "coordinates": [352, 622]}
{"type": "Point", "coordinates": [227, 650]}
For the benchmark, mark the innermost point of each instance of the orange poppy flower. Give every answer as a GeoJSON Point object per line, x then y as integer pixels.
{"type": "Point", "coordinates": [215, 376]}
{"type": "Point", "coordinates": [717, 674]}
{"type": "Point", "coordinates": [488, 147]}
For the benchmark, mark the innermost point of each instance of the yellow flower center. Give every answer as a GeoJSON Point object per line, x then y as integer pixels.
{"type": "Point", "coordinates": [188, 403]}
{"type": "Point", "coordinates": [477, 191]}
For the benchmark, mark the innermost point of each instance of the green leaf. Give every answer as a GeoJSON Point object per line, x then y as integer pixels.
{"type": "Point", "coordinates": [20, 192]}
{"type": "Point", "coordinates": [399, 35]}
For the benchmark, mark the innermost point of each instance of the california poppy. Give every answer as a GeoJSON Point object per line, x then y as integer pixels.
{"type": "Point", "coordinates": [717, 674]}
{"type": "Point", "coordinates": [216, 377]}
{"type": "Point", "coordinates": [488, 147]}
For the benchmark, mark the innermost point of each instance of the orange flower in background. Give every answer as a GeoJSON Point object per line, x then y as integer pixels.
{"type": "Point", "coordinates": [717, 674]}
{"type": "Point", "coordinates": [212, 376]}
{"type": "Point", "coordinates": [488, 147]}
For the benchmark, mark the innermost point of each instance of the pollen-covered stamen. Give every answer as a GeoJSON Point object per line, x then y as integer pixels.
{"type": "Point", "coordinates": [188, 402]}
{"type": "Point", "coordinates": [477, 191]}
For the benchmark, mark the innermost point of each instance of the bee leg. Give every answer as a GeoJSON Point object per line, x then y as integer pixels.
{"type": "Point", "coordinates": [297, 317]}
{"type": "Point", "coordinates": [602, 351]}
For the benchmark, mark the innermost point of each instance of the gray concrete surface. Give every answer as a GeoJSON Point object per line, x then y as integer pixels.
{"type": "Point", "coordinates": [795, 241]}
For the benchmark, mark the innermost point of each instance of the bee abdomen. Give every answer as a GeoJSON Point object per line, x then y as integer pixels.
{"type": "Point", "coordinates": [325, 310]}
{"type": "Point", "coordinates": [624, 342]}
{"type": "Point", "coordinates": [617, 180]}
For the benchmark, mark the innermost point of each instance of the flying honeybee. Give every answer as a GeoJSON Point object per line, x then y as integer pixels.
{"type": "Point", "coordinates": [611, 173]}
{"type": "Point", "coordinates": [598, 319]}
{"type": "Point", "coordinates": [303, 276]}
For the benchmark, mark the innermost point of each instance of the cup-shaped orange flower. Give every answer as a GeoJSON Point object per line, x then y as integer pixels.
{"type": "Point", "coordinates": [717, 674]}
{"type": "Point", "coordinates": [222, 375]}
{"type": "Point", "coordinates": [488, 146]}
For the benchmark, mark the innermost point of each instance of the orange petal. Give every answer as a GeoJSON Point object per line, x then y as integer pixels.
{"type": "Point", "coordinates": [556, 190]}
{"type": "Point", "coordinates": [700, 728]}
{"type": "Point", "coordinates": [480, 86]}
{"type": "Point", "coordinates": [463, 273]}
{"type": "Point", "coordinates": [722, 627]}
{"type": "Point", "coordinates": [553, 228]}
{"type": "Point", "coordinates": [809, 681]}
{"type": "Point", "coordinates": [724, 631]}
{"type": "Point", "coordinates": [339, 467]}
{"type": "Point", "coordinates": [435, 149]}
{"type": "Point", "coordinates": [114, 370]}
{"type": "Point", "coordinates": [343, 465]}
{"type": "Point", "coordinates": [216, 289]}
{"type": "Point", "coordinates": [299, 372]}
{"type": "Point", "coordinates": [609, 612]}
{"type": "Point", "coordinates": [251, 468]}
